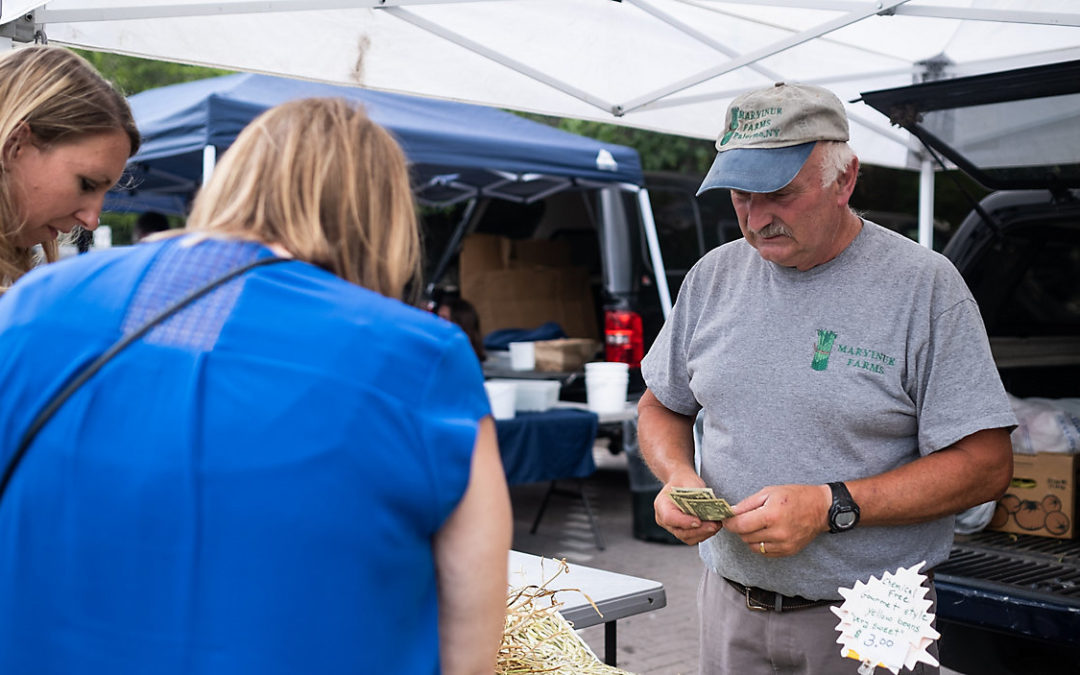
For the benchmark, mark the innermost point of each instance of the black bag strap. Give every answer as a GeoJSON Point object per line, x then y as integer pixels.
{"type": "Point", "coordinates": [86, 373]}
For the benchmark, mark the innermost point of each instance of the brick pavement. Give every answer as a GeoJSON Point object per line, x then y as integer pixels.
{"type": "Point", "coordinates": [661, 642]}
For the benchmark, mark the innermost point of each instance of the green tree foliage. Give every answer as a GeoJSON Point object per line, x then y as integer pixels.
{"type": "Point", "coordinates": [132, 75]}
{"type": "Point", "coordinates": [659, 152]}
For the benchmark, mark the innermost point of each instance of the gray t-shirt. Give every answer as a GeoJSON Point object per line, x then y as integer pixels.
{"type": "Point", "coordinates": [846, 370]}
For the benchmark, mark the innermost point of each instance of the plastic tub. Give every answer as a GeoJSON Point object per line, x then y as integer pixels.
{"type": "Point", "coordinates": [501, 396]}
{"type": "Point", "coordinates": [533, 395]}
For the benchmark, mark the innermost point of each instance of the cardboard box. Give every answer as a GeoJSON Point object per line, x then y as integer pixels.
{"type": "Point", "coordinates": [481, 252]}
{"type": "Point", "coordinates": [565, 356]}
{"type": "Point", "coordinates": [523, 284]}
{"type": "Point", "coordinates": [1041, 500]}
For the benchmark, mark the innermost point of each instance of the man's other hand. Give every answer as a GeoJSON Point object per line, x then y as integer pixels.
{"type": "Point", "coordinates": [785, 518]}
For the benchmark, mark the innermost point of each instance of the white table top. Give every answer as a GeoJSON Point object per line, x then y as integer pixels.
{"type": "Point", "coordinates": [628, 412]}
{"type": "Point", "coordinates": [616, 595]}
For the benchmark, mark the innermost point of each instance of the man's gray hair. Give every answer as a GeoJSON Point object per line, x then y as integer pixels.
{"type": "Point", "coordinates": [836, 156]}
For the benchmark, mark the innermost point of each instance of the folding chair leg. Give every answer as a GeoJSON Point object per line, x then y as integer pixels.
{"type": "Point", "coordinates": [543, 507]}
{"type": "Point", "coordinates": [553, 489]}
{"type": "Point", "coordinates": [589, 512]}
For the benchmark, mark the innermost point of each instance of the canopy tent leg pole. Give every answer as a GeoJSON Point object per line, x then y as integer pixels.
{"type": "Point", "coordinates": [451, 248]}
{"type": "Point", "coordinates": [209, 161]}
{"type": "Point", "coordinates": [659, 271]}
{"type": "Point", "coordinates": [926, 203]}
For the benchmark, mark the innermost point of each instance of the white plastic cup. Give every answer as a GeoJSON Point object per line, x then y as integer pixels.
{"type": "Point", "coordinates": [606, 387]}
{"type": "Point", "coordinates": [501, 396]}
{"type": "Point", "coordinates": [522, 356]}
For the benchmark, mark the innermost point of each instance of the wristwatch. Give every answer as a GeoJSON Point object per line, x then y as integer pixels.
{"type": "Point", "coordinates": [844, 512]}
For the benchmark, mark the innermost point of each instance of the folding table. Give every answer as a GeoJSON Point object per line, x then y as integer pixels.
{"type": "Point", "coordinates": [617, 596]}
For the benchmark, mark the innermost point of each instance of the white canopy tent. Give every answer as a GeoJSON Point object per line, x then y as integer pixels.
{"type": "Point", "coordinates": [664, 65]}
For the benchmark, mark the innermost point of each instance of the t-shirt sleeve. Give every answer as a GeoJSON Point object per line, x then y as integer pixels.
{"type": "Point", "coordinates": [453, 405]}
{"type": "Point", "coordinates": [665, 368]}
{"type": "Point", "coordinates": [959, 391]}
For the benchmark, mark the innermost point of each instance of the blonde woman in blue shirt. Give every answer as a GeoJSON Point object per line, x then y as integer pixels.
{"type": "Point", "coordinates": [312, 484]}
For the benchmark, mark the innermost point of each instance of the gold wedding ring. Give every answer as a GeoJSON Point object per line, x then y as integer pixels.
{"type": "Point", "coordinates": [761, 547]}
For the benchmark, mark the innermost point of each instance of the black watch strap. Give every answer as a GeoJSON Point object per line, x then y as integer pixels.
{"type": "Point", "coordinates": [844, 512]}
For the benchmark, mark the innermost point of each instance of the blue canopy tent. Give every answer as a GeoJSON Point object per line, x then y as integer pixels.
{"type": "Point", "coordinates": [456, 150]}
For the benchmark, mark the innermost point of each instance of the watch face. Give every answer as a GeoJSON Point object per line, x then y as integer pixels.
{"type": "Point", "coordinates": [844, 519]}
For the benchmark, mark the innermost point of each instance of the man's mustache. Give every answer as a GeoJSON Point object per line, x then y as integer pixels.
{"type": "Point", "coordinates": [774, 230]}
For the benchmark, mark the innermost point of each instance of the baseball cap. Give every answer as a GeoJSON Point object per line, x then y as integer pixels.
{"type": "Point", "coordinates": [768, 134]}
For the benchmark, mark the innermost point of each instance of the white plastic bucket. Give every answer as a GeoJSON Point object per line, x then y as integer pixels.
{"type": "Point", "coordinates": [501, 396]}
{"type": "Point", "coordinates": [605, 386]}
{"type": "Point", "coordinates": [607, 368]}
{"type": "Point", "coordinates": [522, 356]}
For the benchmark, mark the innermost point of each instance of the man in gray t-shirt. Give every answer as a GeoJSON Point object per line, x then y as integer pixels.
{"type": "Point", "coordinates": [848, 399]}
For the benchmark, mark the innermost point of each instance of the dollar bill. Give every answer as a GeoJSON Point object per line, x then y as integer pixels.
{"type": "Point", "coordinates": [701, 502]}
{"type": "Point", "coordinates": [694, 491]}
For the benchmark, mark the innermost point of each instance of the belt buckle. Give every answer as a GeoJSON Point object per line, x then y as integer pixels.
{"type": "Point", "coordinates": [754, 604]}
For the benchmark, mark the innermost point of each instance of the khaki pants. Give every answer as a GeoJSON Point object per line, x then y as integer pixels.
{"type": "Point", "coordinates": [736, 640]}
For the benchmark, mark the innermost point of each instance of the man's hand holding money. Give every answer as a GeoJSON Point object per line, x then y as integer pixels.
{"type": "Point", "coordinates": [701, 502]}
{"type": "Point", "coordinates": [690, 528]}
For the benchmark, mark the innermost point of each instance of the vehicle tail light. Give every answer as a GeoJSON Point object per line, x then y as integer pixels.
{"type": "Point", "coordinates": [623, 339]}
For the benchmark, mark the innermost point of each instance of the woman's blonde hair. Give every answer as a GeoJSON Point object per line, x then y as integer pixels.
{"type": "Point", "coordinates": [319, 178]}
{"type": "Point", "coordinates": [61, 98]}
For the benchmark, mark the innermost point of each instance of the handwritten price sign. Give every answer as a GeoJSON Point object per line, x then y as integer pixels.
{"type": "Point", "coordinates": [884, 622]}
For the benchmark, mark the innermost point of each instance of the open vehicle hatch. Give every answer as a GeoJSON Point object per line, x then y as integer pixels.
{"type": "Point", "coordinates": [1011, 130]}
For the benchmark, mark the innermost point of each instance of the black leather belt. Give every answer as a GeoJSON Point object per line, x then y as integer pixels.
{"type": "Point", "coordinates": [762, 600]}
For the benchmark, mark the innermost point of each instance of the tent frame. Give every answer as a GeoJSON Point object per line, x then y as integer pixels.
{"type": "Point", "coordinates": [846, 13]}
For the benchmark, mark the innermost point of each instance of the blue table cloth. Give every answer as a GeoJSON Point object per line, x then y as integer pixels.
{"type": "Point", "coordinates": [545, 446]}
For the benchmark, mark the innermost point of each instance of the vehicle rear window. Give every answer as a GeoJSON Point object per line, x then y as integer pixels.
{"type": "Point", "coordinates": [1028, 284]}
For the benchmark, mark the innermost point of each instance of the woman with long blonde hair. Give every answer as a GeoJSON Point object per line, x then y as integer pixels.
{"type": "Point", "coordinates": [310, 481]}
{"type": "Point", "coordinates": [65, 135]}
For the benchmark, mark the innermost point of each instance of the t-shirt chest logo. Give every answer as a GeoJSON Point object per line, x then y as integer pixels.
{"type": "Point", "coordinates": [823, 349]}
{"type": "Point", "coordinates": [862, 358]}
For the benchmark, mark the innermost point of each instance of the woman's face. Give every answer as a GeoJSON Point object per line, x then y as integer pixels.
{"type": "Point", "coordinates": [59, 186]}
